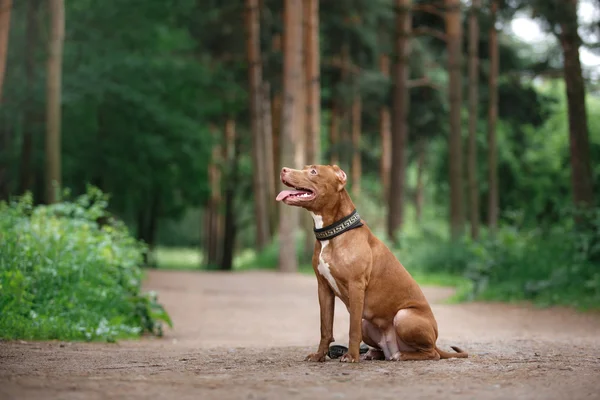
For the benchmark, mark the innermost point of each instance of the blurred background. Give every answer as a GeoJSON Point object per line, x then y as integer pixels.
{"type": "Point", "coordinates": [469, 130]}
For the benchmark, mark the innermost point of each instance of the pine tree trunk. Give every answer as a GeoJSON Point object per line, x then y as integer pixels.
{"type": "Point", "coordinates": [26, 176]}
{"type": "Point", "coordinates": [269, 161]}
{"type": "Point", "coordinates": [582, 182]}
{"type": "Point", "coordinates": [231, 182]}
{"type": "Point", "coordinates": [313, 83]}
{"type": "Point", "coordinates": [290, 122]}
{"type": "Point", "coordinates": [473, 116]}
{"type": "Point", "coordinates": [5, 11]}
{"type": "Point", "coordinates": [229, 234]}
{"type": "Point", "coordinates": [356, 162]}
{"type": "Point", "coordinates": [400, 118]}
{"type": "Point", "coordinates": [493, 201]}
{"type": "Point", "coordinates": [276, 112]}
{"type": "Point", "coordinates": [334, 133]}
{"type": "Point", "coordinates": [420, 190]}
{"type": "Point", "coordinates": [455, 156]}
{"type": "Point", "coordinates": [259, 174]}
{"type": "Point", "coordinates": [345, 142]}
{"type": "Point", "coordinates": [213, 215]}
{"type": "Point", "coordinates": [313, 102]}
{"type": "Point", "coordinates": [385, 130]}
{"type": "Point", "coordinates": [53, 100]}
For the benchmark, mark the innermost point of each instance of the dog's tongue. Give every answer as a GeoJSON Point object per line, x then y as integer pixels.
{"type": "Point", "coordinates": [285, 193]}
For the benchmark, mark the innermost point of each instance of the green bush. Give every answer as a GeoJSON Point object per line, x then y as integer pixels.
{"type": "Point", "coordinates": [555, 266]}
{"type": "Point", "coordinates": [70, 271]}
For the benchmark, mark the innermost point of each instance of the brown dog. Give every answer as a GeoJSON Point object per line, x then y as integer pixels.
{"type": "Point", "coordinates": [388, 310]}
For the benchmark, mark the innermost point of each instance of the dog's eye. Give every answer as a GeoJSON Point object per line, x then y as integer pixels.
{"type": "Point", "coordinates": [313, 171]}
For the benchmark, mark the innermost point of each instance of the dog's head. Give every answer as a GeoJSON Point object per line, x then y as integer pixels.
{"type": "Point", "coordinates": [315, 187]}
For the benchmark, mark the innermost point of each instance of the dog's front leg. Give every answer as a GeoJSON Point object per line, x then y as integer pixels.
{"type": "Point", "coordinates": [356, 294]}
{"type": "Point", "coordinates": [327, 307]}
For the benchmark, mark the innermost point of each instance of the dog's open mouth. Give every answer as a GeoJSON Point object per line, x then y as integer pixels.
{"type": "Point", "coordinates": [299, 193]}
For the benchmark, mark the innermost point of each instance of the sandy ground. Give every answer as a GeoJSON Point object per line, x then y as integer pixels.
{"type": "Point", "coordinates": [244, 336]}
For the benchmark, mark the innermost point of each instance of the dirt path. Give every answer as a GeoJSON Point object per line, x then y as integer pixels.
{"type": "Point", "coordinates": [243, 336]}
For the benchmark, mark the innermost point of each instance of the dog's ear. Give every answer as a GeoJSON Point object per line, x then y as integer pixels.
{"type": "Point", "coordinates": [341, 175]}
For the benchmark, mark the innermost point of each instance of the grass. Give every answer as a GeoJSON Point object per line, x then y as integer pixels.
{"type": "Point", "coordinates": [178, 258]}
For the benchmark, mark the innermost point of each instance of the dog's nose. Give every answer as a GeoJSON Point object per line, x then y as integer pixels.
{"type": "Point", "coordinates": [284, 170]}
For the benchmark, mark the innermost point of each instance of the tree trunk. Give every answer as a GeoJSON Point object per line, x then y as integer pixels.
{"type": "Point", "coordinates": [212, 214]}
{"type": "Point", "coordinates": [276, 111]}
{"type": "Point", "coordinates": [455, 156]}
{"type": "Point", "coordinates": [356, 162]}
{"type": "Point", "coordinates": [313, 83]}
{"type": "Point", "coordinates": [420, 190]}
{"type": "Point", "coordinates": [53, 100]}
{"type": "Point", "coordinates": [493, 201]}
{"type": "Point", "coordinates": [26, 176]}
{"type": "Point", "coordinates": [313, 102]}
{"type": "Point", "coordinates": [269, 160]}
{"type": "Point", "coordinates": [473, 114]}
{"type": "Point", "coordinates": [290, 122]}
{"type": "Point", "coordinates": [259, 174]}
{"type": "Point", "coordinates": [400, 119]}
{"type": "Point", "coordinates": [582, 182]}
{"type": "Point", "coordinates": [5, 10]}
{"type": "Point", "coordinates": [345, 140]}
{"type": "Point", "coordinates": [334, 133]}
{"type": "Point", "coordinates": [230, 230]}
{"type": "Point", "coordinates": [385, 130]}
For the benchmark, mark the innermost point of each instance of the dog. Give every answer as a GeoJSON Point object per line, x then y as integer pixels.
{"type": "Point", "coordinates": [388, 310]}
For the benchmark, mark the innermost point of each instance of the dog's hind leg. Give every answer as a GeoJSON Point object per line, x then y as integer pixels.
{"type": "Point", "coordinates": [416, 336]}
{"type": "Point", "coordinates": [372, 336]}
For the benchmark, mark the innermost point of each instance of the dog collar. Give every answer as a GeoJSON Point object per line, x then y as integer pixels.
{"type": "Point", "coordinates": [337, 228]}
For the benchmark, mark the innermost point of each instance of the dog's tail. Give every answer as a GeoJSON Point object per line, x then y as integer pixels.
{"type": "Point", "coordinates": [459, 353]}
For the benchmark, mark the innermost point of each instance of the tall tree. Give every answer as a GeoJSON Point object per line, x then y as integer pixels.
{"type": "Point", "coordinates": [259, 153]}
{"type": "Point", "coordinates": [385, 132]}
{"type": "Point", "coordinates": [268, 146]}
{"type": "Point", "coordinates": [493, 201]}
{"type": "Point", "coordinates": [420, 189]}
{"type": "Point", "coordinates": [291, 115]}
{"type": "Point", "coordinates": [473, 116]}
{"type": "Point", "coordinates": [400, 117]}
{"type": "Point", "coordinates": [232, 154]}
{"type": "Point", "coordinates": [454, 44]}
{"type": "Point", "coordinates": [31, 40]}
{"type": "Point", "coordinates": [582, 181]}
{"type": "Point", "coordinates": [5, 11]}
{"type": "Point", "coordinates": [313, 99]}
{"type": "Point", "coordinates": [313, 82]}
{"type": "Point", "coordinates": [53, 100]}
{"type": "Point", "coordinates": [212, 214]}
{"type": "Point", "coordinates": [356, 132]}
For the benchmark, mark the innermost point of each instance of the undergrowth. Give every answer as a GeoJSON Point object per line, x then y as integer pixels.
{"type": "Point", "coordinates": [68, 271]}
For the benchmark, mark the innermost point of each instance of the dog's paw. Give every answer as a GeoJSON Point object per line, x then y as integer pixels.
{"type": "Point", "coordinates": [315, 357]}
{"type": "Point", "coordinates": [347, 358]}
{"type": "Point", "coordinates": [397, 357]}
{"type": "Point", "coordinates": [373, 354]}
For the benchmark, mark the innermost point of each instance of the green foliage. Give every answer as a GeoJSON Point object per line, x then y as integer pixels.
{"type": "Point", "coordinates": [66, 274]}
{"type": "Point", "coordinates": [556, 266]}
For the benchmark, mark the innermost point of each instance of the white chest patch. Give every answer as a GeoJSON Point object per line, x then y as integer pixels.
{"type": "Point", "coordinates": [323, 267]}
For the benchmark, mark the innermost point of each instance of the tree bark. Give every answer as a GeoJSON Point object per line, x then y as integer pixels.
{"type": "Point", "coordinates": [26, 175]}
{"type": "Point", "coordinates": [290, 122]}
{"type": "Point", "coordinates": [313, 102]}
{"type": "Point", "coordinates": [212, 213]}
{"type": "Point", "coordinates": [5, 11]}
{"type": "Point", "coordinates": [334, 133]}
{"type": "Point", "coordinates": [53, 100]}
{"type": "Point", "coordinates": [420, 190]}
{"type": "Point", "coordinates": [259, 174]}
{"type": "Point", "coordinates": [582, 182]}
{"type": "Point", "coordinates": [313, 82]}
{"type": "Point", "coordinates": [356, 162]}
{"type": "Point", "coordinates": [455, 156]}
{"type": "Point", "coordinates": [269, 160]}
{"type": "Point", "coordinates": [400, 119]}
{"type": "Point", "coordinates": [385, 131]}
{"type": "Point", "coordinates": [493, 201]}
{"type": "Point", "coordinates": [230, 229]}
{"type": "Point", "coordinates": [473, 116]}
